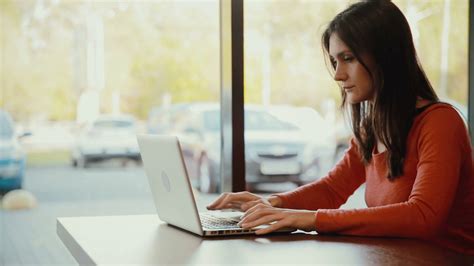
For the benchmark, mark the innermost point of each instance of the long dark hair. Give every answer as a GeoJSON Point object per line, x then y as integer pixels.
{"type": "Point", "coordinates": [379, 29]}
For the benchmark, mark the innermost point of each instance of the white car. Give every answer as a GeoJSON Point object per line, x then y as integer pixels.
{"type": "Point", "coordinates": [109, 136]}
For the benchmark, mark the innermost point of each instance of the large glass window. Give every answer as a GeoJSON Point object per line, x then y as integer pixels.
{"type": "Point", "coordinates": [80, 79]}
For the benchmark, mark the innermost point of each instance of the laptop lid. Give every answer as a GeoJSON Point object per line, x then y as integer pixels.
{"type": "Point", "coordinates": [169, 183]}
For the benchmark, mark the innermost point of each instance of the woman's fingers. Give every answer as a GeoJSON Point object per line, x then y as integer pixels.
{"type": "Point", "coordinates": [264, 219]}
{"type": "Point", "coordinates": [277, 218]}
{"type": "Point", "coordinates": [249, 204]}
{"type": "Point", "coordinates": [235, 198]}
{"type": "Point", "coordinates": [249, 218]}
{"type": "Point", "coordinates": [256, 207]}
{"type": "Point", "coordinates": [221, 200]}
{"type": "Point", "coordinates": [273, 227]}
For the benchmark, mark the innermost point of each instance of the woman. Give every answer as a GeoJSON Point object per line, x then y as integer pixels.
{"type": "Point", "coordinates": [413, 152]}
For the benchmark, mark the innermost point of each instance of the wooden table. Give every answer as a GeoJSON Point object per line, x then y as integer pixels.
{"type": "Point", "coordinates": [144, 239]}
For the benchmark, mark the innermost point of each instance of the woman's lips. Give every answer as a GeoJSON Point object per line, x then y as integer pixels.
{"type": "Point", "coordinates": [349, 88]}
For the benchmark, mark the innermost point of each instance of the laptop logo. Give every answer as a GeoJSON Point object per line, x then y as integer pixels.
{"type": "Point", "coordinates": [166, 181]}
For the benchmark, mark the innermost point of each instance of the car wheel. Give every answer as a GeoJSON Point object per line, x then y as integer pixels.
{"type": "Point", "coordinates": [207, 183]}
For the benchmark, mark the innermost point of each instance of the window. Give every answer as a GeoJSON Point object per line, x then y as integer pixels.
{"type": "Point", "coordinates": [286, 74]}
{"type": "Point", "coordinates": [84, 77]}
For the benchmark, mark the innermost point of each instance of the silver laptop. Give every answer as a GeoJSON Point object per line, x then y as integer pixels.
{"type": "Point", "coordinates": [172, 192]}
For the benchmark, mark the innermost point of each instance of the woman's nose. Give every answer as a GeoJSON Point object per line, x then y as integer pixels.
{"type": "Point", "coordinates": [340, 74]}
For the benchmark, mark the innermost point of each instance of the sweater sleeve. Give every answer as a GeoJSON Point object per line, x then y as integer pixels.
{"type": "Point", "coordinates": [441, 145]}
{"type": "Point", "coordinates": [331, 191]}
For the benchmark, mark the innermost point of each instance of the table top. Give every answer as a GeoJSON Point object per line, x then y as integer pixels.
{"type": "Point", "coordinates": [144, 239]}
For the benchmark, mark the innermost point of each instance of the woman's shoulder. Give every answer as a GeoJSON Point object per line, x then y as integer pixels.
{"type": "Point", "coordinates": [441, 121]}
{"type": "Point", "coordinates": [441, 127]}
{"type": "Point", "coordinates": [440, 114]}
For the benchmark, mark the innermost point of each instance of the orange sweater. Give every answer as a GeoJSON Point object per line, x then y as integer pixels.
{"type": "Point", "coordinates": [433, 200]}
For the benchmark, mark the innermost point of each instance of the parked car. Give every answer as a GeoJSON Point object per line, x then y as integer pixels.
{"type": "Point", "coordinates": [109, 136]}
{"type": "Point", "coordinates": [318, 132]}
{"type": "Point", "coordinates": [275, 151]}
{"type": "Point", "coordinates": [12, 156]}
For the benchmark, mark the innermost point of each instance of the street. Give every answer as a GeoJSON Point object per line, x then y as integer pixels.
{"type": "Point", "coordinates": [29, 236]}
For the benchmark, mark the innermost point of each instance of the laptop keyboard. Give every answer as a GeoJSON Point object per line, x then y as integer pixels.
{"type": "Point", "coordinates": [214, 222]}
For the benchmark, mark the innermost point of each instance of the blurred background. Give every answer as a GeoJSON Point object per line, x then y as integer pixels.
{"type": "Point", "coordinates": [79, 79]}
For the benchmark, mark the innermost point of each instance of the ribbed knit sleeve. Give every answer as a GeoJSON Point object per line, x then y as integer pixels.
{"type": "Point", "coordinates": [331, 191]}
{"type": "Point", "coordinates": [442, 146]}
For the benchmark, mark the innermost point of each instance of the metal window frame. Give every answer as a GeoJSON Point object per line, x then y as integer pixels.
{"type": "Point", "coordinates": [470, 106]}
{"type": "Point", "coordinates": [232, 95]}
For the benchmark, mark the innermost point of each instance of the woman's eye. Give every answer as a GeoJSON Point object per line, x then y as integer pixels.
{"type": "Point", "coordinates": [333, 63]}
{"type": "Point", "coordinates": [348, 58]}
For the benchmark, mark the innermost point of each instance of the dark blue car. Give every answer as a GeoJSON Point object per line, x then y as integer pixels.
{"type": "Point", "coordinates": [12, 156]}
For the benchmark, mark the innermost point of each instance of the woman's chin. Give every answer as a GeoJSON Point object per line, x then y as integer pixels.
{"type": "Point", "coordinates": [352, 100]}
{"type": "Point", "coordinates": [355, 100]}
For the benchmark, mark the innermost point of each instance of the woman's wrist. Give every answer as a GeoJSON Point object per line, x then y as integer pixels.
{"type": "Point", "coordinates": [275, 201]}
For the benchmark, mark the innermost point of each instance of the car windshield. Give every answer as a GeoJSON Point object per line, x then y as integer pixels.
{"type": "Point", "coordinates": [254, 120]}
{"type": "Point", "coordinates": [6, 127]}
{"type": "Point", "coordinates": [112, 124]}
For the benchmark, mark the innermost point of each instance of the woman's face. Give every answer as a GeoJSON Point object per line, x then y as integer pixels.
{"type": "Point", "coordinates": [350, 73]}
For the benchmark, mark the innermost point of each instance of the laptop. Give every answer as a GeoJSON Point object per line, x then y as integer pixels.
{"type": "Point", "coordinates": [172, 192]}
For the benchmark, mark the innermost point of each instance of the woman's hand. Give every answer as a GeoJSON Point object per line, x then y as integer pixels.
{"type": "Point", "coordinates": [242, 201]}
{"type": "Point", "coordinates": [277, 218]}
